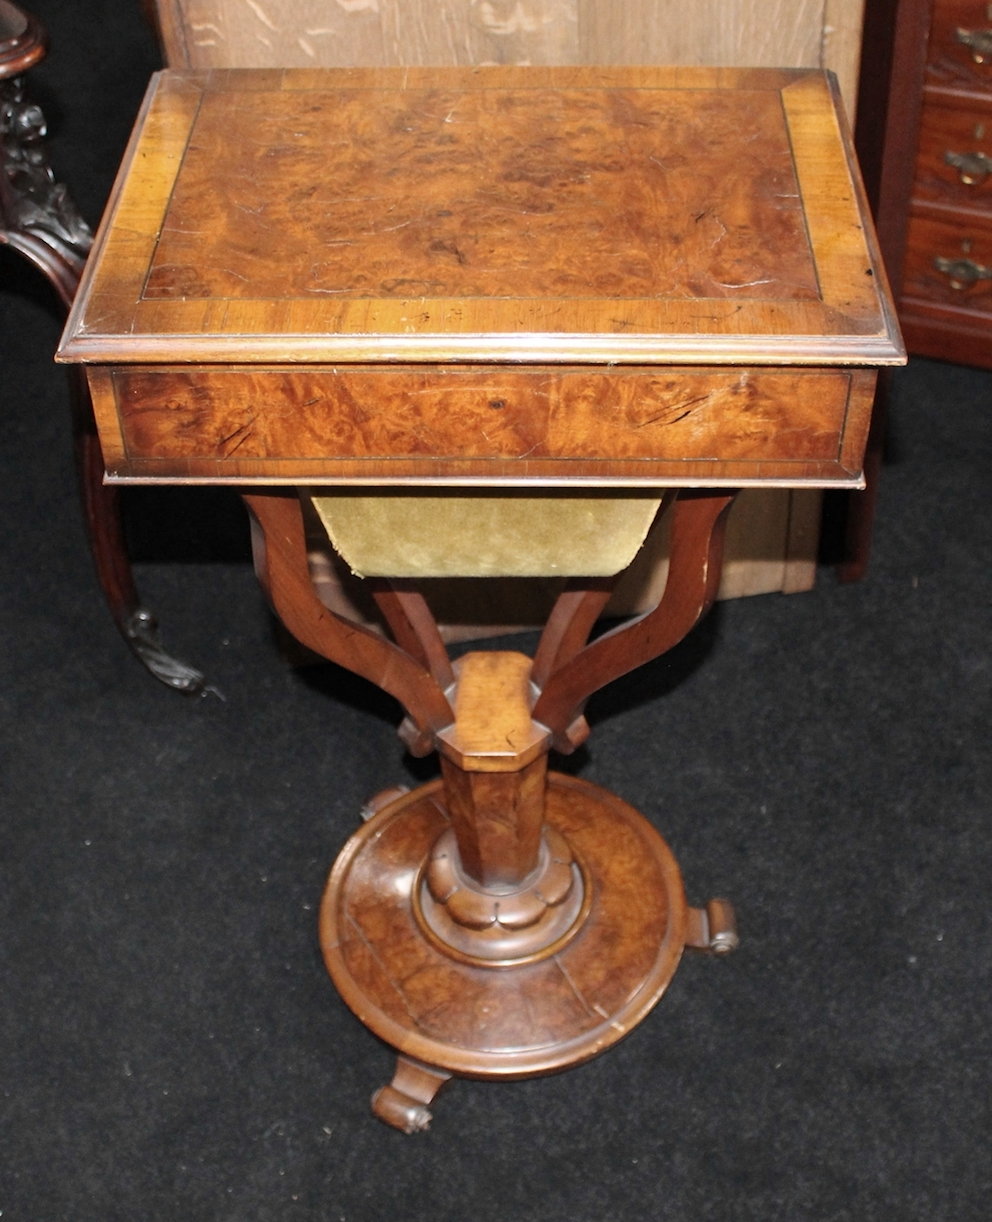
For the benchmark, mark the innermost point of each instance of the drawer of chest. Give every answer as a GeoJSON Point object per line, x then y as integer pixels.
{"type": "Point", "coordinates": [437, 424]}
{"type": "Point", "coordinates": [960, 48]}
{"type": "Point", "coordinates": [949, 261]}
{"type": "Point", "coordinates": [954, 163]}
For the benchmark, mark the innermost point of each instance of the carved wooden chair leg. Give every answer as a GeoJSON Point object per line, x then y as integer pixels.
{"type": "Point", "coordinates": [39, 220]}
{"type": "Point", "coordinates": [105, 531]}
{"type": "Point", "coordinates": [404, 1102]}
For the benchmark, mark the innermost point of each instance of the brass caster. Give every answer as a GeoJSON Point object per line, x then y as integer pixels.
{"type": "Point", "coordinates": [403, 1103]}
{"type": "Point", "coordinates": [713, 929]}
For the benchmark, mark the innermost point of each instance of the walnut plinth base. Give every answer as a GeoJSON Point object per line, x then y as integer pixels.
{"type": "Point", "coordinates": [614, 950]}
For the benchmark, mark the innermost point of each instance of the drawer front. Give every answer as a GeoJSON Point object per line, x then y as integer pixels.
{"type": "Point", "coordinates": [954, 163]}
{"type": "Point", "coordinates": [949, 262]}
{"type": "Point", "coordinates": [393, 424]}
{"type": "Point", "coordinates": [960, 48]}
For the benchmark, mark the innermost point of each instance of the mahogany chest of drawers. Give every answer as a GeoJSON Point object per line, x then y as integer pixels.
{"type": "Point", "coordinates": [946, 301]}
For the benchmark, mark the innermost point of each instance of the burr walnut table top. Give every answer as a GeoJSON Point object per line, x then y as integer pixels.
{"type": "Point", "coordinates": [612, 275]}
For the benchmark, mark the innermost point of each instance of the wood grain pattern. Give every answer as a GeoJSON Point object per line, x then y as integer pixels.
{"type": "Point", "coordinates": [761, 291]}
{"type": "Point", "coordinates": [837, 213]}
{"type": "Point", "coordinates": [129, 230]}
{"type": "Point", "coordinates": [325, 424]}
{"type": "Point", "coordinates": [505, 1023]}
{"type": "Point", "coordinates": [291, 33]}
{"type": "Point", "coordinates": [457, 193]}
{"type": "Point", "coordinates": [768, 34]}
{"type": "Point", "coordinates": [840, 47]}
{"type": "Point", "coordinates": [297, 33]}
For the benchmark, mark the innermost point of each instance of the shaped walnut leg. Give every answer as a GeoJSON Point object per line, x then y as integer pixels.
{"type": "Point", "coordinates": [39, 220]}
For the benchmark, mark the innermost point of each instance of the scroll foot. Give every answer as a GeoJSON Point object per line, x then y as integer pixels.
{"type": "Point", "coordinates": [404, 1102]}
{"type": "Point", "coordinates": [141, 633]}
{"type": "Point", "coordinates": [713, 929]}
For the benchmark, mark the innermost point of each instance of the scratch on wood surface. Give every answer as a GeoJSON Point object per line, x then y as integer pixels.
{"type": "Point", "coordinates": [665, 413]}
{"type": "Point", "coordinates": [306, 47]}
{"type": "Point", "coordinates": [245, 432]}
{"type": "Point", "coordinates": [721, 235]}
{"type": "Point", "coordinates": [590, 1010]}
{"type": "Point", "coordinates": [747, 283]}
{"type": "Point", "coordinates": [359, 6]}
{"type": "Point", "coordinates": [262, 15]}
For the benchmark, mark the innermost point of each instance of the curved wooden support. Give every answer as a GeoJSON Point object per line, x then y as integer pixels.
{"type": "Point", "coordinates": [60, 268]}
{"type": "Point", "coordinates": [575, 611]}
{"type": "Point", "coordinates": [40, 221]}
{"type": "Point", "coordinates": [693, 579]}
{"type": "Point", "coordinates": [285, 576]}
{"type": "Point", "coordinates": [413, 627]}
{"type": "Point", "coordinates": [105, 530]}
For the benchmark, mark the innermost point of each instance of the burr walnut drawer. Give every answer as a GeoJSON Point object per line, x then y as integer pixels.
{"type": "Point", "coordinates": [376, 423]}
{"type": "Point", "coordinates": [954, 162]}
{"type": "Point", "coordinates": [949, 262]}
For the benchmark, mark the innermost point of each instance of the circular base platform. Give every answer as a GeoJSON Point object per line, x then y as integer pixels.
{"type": "Point", "coordinates": [505, 1021]}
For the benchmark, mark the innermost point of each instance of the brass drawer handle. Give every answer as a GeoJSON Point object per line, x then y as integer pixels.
{"type": "Point", "coordinates": [973, 167]}
{"type": "Point", "coordinates": [963, 273]}
{"type": "Point", "coordinates": [980, 42]}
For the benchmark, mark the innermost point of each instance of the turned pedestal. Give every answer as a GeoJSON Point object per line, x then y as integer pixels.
{"type": "Point", "coordinates": [503, 921]}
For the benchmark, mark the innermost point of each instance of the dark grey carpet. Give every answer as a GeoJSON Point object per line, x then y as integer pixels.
{"type": "Point", "coordinates": [170, 1045]}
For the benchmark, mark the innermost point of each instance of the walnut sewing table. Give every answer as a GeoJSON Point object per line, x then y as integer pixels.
{"type": "Point", "coordinates": [494, 291]}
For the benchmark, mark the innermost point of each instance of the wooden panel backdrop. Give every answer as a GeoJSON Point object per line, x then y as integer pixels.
{"type": "Point", "coordinates": [773, 534]}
